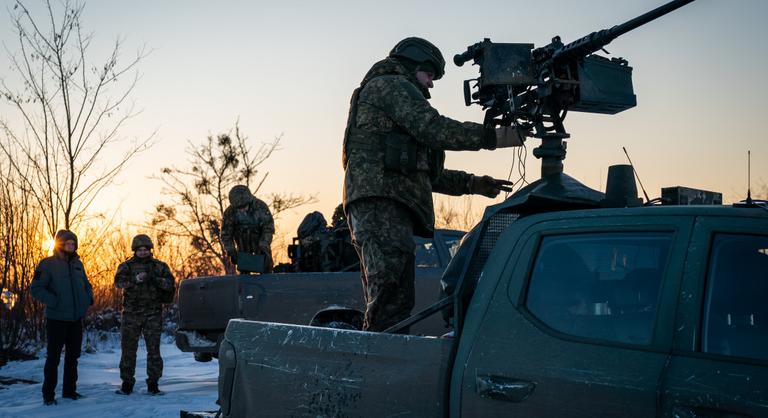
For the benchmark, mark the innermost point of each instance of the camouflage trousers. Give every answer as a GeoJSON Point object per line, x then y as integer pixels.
{"type": "Point", "coordinates": [382, 233]}
{"type": "Point", "coordinates": [134, 325]}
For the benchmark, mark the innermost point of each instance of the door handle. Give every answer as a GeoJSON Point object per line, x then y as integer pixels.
{"type": "Point", "coordinates": [503, 388]}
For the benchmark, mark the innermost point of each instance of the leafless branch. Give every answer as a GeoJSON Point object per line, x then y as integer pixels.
{"type": "Point", "coordinates": [72, 112]}
{"type": "Point", "coordinates": [198, 193]}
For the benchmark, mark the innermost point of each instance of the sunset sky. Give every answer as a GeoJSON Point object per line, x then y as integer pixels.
{"type": "Point", "coordinates": [289, 68]}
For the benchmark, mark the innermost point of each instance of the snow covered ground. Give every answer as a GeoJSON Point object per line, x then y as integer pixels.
{"type": "Point", "coordinates": [187, 385]}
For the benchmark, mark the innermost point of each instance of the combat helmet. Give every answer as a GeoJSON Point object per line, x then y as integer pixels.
{"type": "Point", "coordinates": [240, 196]}
{"type": "Point", "coordinates": [420, 51]}
{"type": "Point", "coordinates": [141, 240]}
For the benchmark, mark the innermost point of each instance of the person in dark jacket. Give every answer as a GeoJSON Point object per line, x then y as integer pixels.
{"type": "Point", "coordinates": [61, 284]}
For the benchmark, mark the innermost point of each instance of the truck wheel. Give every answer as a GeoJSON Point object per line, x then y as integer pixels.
{"type": "Point", "coordinates": [203, 357]}
{"type": "Point", "coordinates": [337, 325]}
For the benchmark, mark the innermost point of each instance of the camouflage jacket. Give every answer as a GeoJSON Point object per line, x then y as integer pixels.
{"type": "Point", "coordinates": [147, 295]}
{"type": "Point", "coordinates": [249, 231]}
{"type": "Point", "coordinates": [391, 107]}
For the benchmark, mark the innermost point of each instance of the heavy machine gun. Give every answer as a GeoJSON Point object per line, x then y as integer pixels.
{"type": "Point", "coordinates": [533, 89]}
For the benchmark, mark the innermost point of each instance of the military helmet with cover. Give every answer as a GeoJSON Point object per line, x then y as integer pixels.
{"type": "Point", "coordinates": [240, 196]}
{"type": "Point", "coordinates": [421, 51]}
{"type": "Point", "coordinates": [141, 240]}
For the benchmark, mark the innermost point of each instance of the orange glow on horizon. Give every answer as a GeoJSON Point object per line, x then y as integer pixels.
{"type": "Point", "coordinates": [48, 245]}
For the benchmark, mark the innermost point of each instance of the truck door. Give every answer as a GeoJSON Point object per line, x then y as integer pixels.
{"type": "Point", "coordinates": [719, 366]}
{"type": "Point", "coordinates": [573, 319]}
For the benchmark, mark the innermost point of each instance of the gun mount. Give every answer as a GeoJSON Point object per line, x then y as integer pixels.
{"type": "Point", "coordinates": [533, 89]}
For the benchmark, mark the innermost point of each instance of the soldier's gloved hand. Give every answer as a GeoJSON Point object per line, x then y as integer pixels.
{"type": "Point", "coordinates": [509, 136]}
{"type": "Point", "coordinates": [488, 186]}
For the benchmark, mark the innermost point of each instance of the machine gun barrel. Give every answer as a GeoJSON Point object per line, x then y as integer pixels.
{"type": "Point", "coordinates": [597, 40]}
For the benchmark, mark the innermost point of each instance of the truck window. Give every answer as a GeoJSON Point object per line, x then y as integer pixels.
{"type": "Point", "coordinates": [599, 285]}
{"type": "Point", "coordinates": [735, 312]}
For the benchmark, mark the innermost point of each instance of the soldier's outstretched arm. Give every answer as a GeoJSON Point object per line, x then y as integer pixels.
{"type": "Point", "coordinates": [408, 108]}
{"type": "Point", "coordinates": [456, 183]}
{"type": "Point", "coordinates": [488, 186]}
{"type": "Point", "coordinates": [452, 182]}
{"type": "Point", "coordinates": [123, 278]}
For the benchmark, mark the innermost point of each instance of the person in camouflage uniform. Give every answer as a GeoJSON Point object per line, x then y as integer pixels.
{"type": "Point", "coordinates": [394, 150]}
{"type": "Point", "coordinates": [146, 283]}
{"type": "Point", "coordinates": [314, 240]}
{"type": "Point", "coordinates": [247, 226]}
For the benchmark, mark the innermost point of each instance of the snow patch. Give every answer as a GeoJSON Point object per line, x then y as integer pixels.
{"type": "Point", "coordinates": [187, 384]}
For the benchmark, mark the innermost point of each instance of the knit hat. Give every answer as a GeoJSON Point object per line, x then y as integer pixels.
{"type": "Point", "coordinates": [62, 236]}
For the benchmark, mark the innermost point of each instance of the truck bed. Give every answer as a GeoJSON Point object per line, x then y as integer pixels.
{"type": "Point", "coordinates": [313, 371]}
{"type": "Point", "coordinates": [206, 304]}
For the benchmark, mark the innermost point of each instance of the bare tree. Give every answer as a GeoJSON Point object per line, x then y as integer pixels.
{"type": "Point", "coordinates": [451, 215]}
{"type": "Point", "coordinates": [70, 112]}
{"type": "Point", "coordinates": [21, 246]}
{"type": "Point", "coordinates": [199, 195]}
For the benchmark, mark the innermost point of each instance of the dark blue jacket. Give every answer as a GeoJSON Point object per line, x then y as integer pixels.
{"type": "Point", "coordinates": [61, 284]}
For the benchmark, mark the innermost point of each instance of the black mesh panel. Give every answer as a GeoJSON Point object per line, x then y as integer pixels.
{"type": "Point", "coordinates": [493, 229]}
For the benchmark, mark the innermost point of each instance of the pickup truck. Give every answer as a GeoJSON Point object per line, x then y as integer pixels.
{"type": "Point", "coordinates": [334, 299]}
{"type": "Point", "coordinates": [561, 308]}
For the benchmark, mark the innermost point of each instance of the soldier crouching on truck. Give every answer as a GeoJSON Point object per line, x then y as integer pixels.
{"type": "Point", "coordinates": [147, 283]}
{"type": "Point", "coordinates": [247, 226]}
{"type": "Point", "coordinates": [394, 150]}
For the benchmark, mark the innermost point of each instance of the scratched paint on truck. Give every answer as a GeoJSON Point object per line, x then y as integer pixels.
{"type": "Point", "coordinates": [326, 372]}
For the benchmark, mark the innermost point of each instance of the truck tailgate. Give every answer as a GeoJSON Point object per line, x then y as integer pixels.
{"type": "Point", "coordinates": [207, 303]}
{"type": "Point", "coordinates": [293, 370]}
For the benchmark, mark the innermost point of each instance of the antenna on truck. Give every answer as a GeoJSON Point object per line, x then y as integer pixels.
{"type": "Point", "coordinates": [647, 199]}
{"type": "Point", "coordinates": [749, 202]}
{"type": "Point", "coordinates": [749, 177]}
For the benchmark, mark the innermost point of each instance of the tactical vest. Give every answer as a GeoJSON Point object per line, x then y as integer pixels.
{"type": "Point", "coordinates": [399, 149]}
{"type": "Point", "coordinates": [144, 296]}
{"type": "Point", "coordinates": [247, 232]}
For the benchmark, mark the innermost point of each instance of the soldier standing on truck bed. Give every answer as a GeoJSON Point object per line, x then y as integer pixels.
{"type": "Point", "coordinates": [394, 150]}
{"type": "Point", "coordinates": [147, 283]}
{"type": "Point", "coordinates": [247, 226]}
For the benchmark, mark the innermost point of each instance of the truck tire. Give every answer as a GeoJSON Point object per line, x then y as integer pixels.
{"type": "Point", "coordinates": [338, 317]}
{"type": "Point", "coordinates": [337, 325]}
{"type": "Point", "coordinates": [203, 357]}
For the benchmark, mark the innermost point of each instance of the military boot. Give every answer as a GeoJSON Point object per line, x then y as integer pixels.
{"type": "Point", "coordinates": [72, 395]}
{"type": "Point", "coordinates": [125, 389]}
{"type": "Point", "coordinates": [153, 389]}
